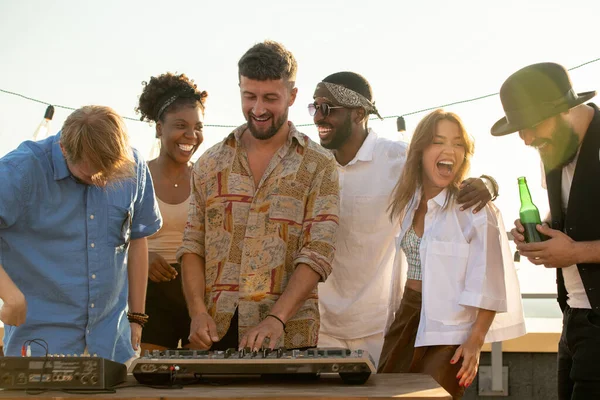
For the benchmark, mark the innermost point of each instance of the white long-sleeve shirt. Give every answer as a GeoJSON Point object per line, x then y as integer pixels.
{"type": "Point", "coordinates": [466, 264]}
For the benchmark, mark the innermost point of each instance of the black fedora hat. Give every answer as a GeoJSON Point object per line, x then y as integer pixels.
{"type": "Point", "coordinates": [535, 93]}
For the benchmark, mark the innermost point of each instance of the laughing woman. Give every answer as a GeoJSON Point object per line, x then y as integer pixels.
{"type": "Point", "coordinates": [461, 288]}
{"type": "Point", "coordinates": [175, 104]}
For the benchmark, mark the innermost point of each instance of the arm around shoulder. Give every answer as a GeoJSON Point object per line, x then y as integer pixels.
{"type": "Point", "coordinates": [491, 185]}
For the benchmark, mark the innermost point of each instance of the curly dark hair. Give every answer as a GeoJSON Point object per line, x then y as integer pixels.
{"type": "Point", "coordinates": [161, 89]}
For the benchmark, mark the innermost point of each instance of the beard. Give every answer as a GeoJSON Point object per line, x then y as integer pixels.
{"type": "Point", "coordinates": [340, 136]}
{"type": "Point", "coordinates": [565, 143]}
{"type": "Point", "coordinates": [271, 131]}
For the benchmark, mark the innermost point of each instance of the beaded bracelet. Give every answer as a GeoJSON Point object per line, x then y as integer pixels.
{"type": "Point", "coordinates": [138, 318]}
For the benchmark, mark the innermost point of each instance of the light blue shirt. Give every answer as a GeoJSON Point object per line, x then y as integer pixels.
{"type": "Point", "coordinates": [65, 246]}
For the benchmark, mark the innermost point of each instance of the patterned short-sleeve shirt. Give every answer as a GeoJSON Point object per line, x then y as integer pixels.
{"type": "Point", "coordinates": [252, 238]}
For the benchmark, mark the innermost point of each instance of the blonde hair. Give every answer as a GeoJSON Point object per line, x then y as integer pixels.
{"type": "Point", "coordinates": [98, 136]}
{"type": "Point", "coordinates": [411, 177]}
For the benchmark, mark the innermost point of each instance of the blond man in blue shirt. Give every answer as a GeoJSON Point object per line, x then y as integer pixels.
{"type": "Point", "coordinates": [75, 211]}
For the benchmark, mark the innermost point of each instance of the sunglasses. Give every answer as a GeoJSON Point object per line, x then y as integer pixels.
{"type": "Point", "coordinates": [325, 109]}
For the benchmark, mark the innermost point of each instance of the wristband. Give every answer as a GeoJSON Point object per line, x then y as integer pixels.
{"type": "Point", "coordinates": [278, 319]}
{"type": "Point", "coordinates": [494, 185]}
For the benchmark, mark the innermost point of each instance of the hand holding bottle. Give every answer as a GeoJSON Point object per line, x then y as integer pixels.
{"type": "Point", "coordinates": [518, 232]}
{"type": "Point", "coordinates": [529, 215]}
{"type": "Point", "coordinates": [558, 251]}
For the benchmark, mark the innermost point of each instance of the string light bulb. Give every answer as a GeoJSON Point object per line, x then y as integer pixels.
{"type": "Point", "coordinates": [401, 124]}
{"type": "Point", "coordinates": [44, 127]}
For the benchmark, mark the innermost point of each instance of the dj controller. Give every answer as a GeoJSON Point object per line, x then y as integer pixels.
{"type": "Point", "coordinates": [172, 367]}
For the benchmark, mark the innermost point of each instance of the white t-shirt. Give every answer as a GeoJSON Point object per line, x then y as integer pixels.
{"type": "Point", "coordinates": [353, 300]}
{"type": "Point", "coordinates": [576, 296]}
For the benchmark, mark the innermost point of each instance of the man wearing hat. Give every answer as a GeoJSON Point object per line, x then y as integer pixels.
{"type": "Point", "coordinates": [540, 103]}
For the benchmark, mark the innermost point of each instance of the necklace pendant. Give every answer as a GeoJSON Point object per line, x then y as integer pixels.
{"type": "Point", "coordinates": [175, 185]}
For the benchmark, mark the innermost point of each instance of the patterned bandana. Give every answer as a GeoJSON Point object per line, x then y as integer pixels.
{"type": "Point", "coordinates": [342, 96]}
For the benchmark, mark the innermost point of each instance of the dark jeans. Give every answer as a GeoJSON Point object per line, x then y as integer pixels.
{"type": "Point", "coordinates": [579, 355]}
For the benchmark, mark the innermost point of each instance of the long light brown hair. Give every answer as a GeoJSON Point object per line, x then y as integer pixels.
{"type": "Point", "coordinates": [411, 178]}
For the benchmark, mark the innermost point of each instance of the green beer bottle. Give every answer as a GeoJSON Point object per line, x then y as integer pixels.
{"type": "Point", "coordinates": [529, 214]}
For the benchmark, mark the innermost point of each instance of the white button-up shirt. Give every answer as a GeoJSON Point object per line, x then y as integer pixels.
{"type": "Point", "coordinates": [466, 264]}
{"type": "Point", "coordinates": [353, 301]}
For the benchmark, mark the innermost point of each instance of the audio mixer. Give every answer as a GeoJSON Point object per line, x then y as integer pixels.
{"type": "Point", "coordinates": [172, 366]}
{"type": "Point", "coordinates": [60, 373]}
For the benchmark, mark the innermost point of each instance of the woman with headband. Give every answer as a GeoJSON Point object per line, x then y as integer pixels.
{"type": "Point", "coordinates": [176, 106]}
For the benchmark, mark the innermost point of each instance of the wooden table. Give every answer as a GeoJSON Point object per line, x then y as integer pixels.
{"type": "Point", "coordinates": [379, 386]}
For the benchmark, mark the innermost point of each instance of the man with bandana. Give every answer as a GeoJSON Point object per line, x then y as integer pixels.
{"type": "Point", "coordinates": [549, 115]}
{"type": "Point", "coordinates": [354, 301]}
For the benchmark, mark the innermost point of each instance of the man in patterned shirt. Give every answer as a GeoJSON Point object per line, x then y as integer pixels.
{"type": "Point", "coordinates": [262, 223]}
